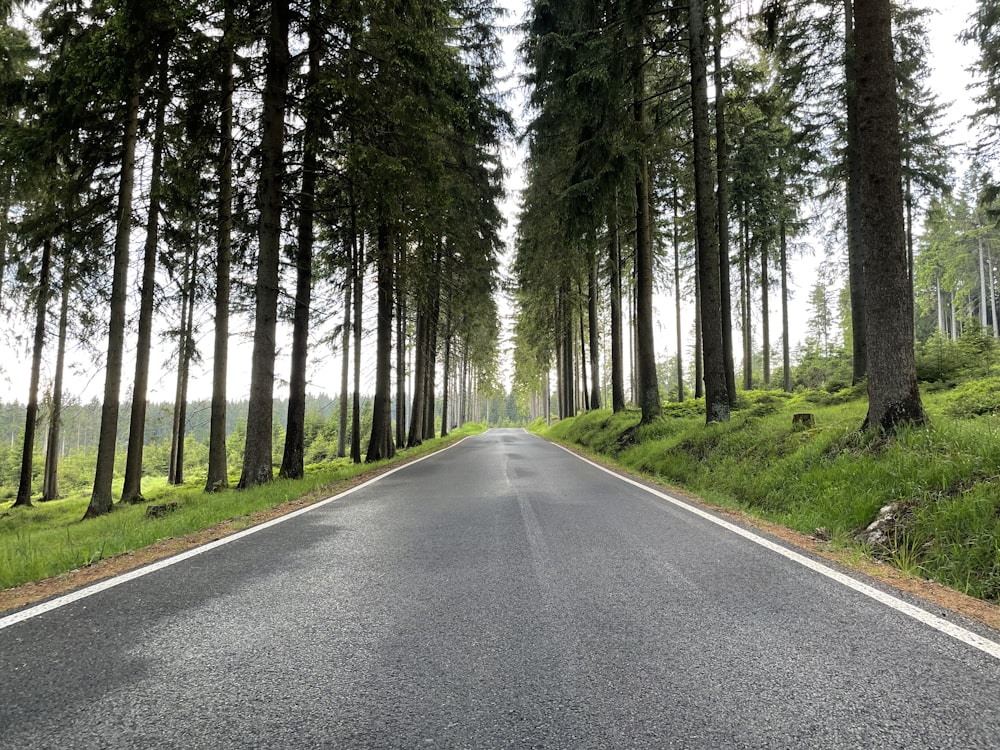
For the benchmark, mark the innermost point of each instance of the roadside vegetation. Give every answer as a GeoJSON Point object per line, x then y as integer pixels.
{"type": "Point", "coordinates": [49, 539]}
{"type": "Point", "coordinates": [830, 480]}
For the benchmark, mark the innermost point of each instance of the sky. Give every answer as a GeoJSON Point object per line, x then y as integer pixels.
{"type": "Point", "coordinates": [949, 58]}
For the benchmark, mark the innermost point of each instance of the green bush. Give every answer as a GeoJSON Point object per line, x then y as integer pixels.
{"type": "Point", "coordinates": [974, 398]}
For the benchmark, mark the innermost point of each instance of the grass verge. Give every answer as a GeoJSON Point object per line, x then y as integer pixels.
{"type": "Point", "coordinates": [830, 481]}
{"type": "Point", "coordinates": [49, 539]}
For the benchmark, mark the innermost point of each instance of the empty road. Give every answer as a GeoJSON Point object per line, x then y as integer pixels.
{"type": "Point", "coordinates": [500, 594]}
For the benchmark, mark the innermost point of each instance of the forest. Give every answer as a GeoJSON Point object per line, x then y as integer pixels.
{"type": "Point", "coordinates": [329, 176]}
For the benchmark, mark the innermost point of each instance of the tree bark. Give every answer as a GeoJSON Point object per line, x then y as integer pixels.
{"type": "Point", "coordinates": [765, 313]}
{"type": "Point", "coordinates": [677, 296]}
{"type": "Point", "coordinates": [595, 354]}
{"type": "Point", "coordinates": [359, 280]}
{"type": "Point", "coordinates": [893, 396]}
{"type": "Point", "coordinates": [50, 480]}
{"type": "Point", "coordinates": [615, 300]}
{"type": "Point", "coordinates": [786, 353]}
{"type": "Point", "coordinates": [132, 487]}
{"type": "Point", "coordinates": [218, 470]}
{"type": "Point", "coordinates": [345, 365]}
{"type": "Point", "coordinates": [380, 445]}
{"type": "Point", "coordinates": [293, 456]}
{"type": "Point", "coordinates": [416, 432]}
{"type": "Point", "coordinates": [257, 455]}
{"type": "Point", "coordinates": [400, 296]}
{"type": "Point", "coordinates": [100, 499]}
{"type": "Point", "coordinates": [722, 169]}
{"type": "Point", "coordinates": [186, 347]}
{"type": "Point", "coordinates": [709, 262]}
{"type": "Point", "coordinates": [856, 250]}
{"type": "Point", "coordinates": [23, 498]}
{"type": "Point", "coordinates": [446, 365]}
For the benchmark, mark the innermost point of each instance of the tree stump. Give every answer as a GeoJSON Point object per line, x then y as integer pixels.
{"type": "Point", "coordinates": [159, 511]}
{"type": "Point", "coordinates": [803, 421]}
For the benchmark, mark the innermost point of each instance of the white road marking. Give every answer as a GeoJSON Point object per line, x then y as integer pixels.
{"type": "Point", "coordinates": [948, 628]}
{"type": "Point", "coordinates": [109, 583]}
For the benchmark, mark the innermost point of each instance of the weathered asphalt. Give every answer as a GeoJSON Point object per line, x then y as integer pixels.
{"type": "Point", "coordinates": [500, 594]}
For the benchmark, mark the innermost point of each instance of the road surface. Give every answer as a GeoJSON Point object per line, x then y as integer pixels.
{"type": "Point", "coordinates": [500, 594]}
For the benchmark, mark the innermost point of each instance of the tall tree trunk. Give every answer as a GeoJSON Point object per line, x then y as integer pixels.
{"type": "Point", "coordinates": [293, 456]}
{"type": "Point", "coordinates": [6, 190]}
{"type": "Point", "coordinates": [433, 323]}
{"type": "Point", "coordinates": [446, 365]}
{"type": "Point", "coordinates": [257, 456]}
{"type": "Point", "coordinates": [23, 498]}
{"type": "Point", "coordinates": [677, 296]}
{"type": "Point", "coordinates": [855, 236]}
{"type": "Point", "coordinates": [765, 312]}
{"type": "Point", "coordinates": [176, 470]}
{"type": "Point", "coordinates": [709, 262]}
{"type": "Point", "coordinates": [993, 289]}
{"type": "Point", "coordinates": [786, 353]}
{"type": "Point", "coordinates": [400, 297]}
{"type": "Point", "coordinates": [359, 280]}
{"type": "Point", "coordinates": [50, 480]}
{"type": "Point", "coordinates": [893, 396]}
{"type": "Point", "coordinates": [345, 364]}
{"type": "Point", "coordinates": [940, 307]}
{"type": "Point", "coordinates": [595, 355]}
{"type": "Point", "coordinates": [416, 432]}
{"type": "Point", "coordinates": [380, 445]}
{"type": "Point", "coordinates": [615, 299]}
{"type": "Point", "coordinates": [699, 361]}
{"type": "Point", "coordinates": [722, 169]}
{"type": "Point", "coordinates": [649, 391]}
{"type": "Point", "coordinates": [747, 302]}
{"type": "Point", "coordinates": [584, 383]}
{"type": "Point", "coordinates": [100, 499]}
{"type": "Point", "coordinates": [132, 488]}
{"type": "Point", "coordinates": [982, 285]}
{"type": "Point", "coordinates": [218, 470]}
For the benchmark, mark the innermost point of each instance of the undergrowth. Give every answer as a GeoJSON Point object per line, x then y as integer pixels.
{"type": "Point", "coordinates": [832, 479]}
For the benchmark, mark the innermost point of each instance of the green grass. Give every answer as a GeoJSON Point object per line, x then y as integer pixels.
{"type": "Point", "coordinates": [49, 538]}
{"type": "Point", "coordinates": [832, 477]}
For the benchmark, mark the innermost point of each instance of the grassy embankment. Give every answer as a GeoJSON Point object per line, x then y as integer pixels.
{"type": "Point", "coordinates": [831, 480]}
{"type": "Point", "coordinates": [49, 539]}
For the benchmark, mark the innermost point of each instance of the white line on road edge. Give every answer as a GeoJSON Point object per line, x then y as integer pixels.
{"type": "Point", "coordinates": [955, 631]}
{"type": "Point", "coordinates": [109, 583]}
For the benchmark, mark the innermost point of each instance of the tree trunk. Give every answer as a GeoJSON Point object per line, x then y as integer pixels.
{"type": "Point", "coordinates": [982, 284]}
{"type": "Point", "coordinates": [677, 297]}
{"type": "Point", "coordinates": [585, 385]}
{"type": "Point", "coordinates": [23, 498]}
{"type": "Point", "coordinates": [359, 280]}
{"type": "Point", "coordinates": [50, 480]}
{"type": "Point", "coordinates": [176, 471]}
{"type": "Point", "coordinates": [380, 445]}
{"type": "Point", "coordinates": [722, 169]}
{"type": "Point", "coordinates": [345, 365]}
{"type": "Point", "coordinates": [993, 289]}
{"type": "Point", "coordinates": [615, 298]}
{"type": "Point", "coordinates": [595, 354]}
{"type": "Point", "coordinates": [293, 456]}
{"type": "Point", "coordinates": [257, 456]}
{"type": "Point", "coordinates": [434, 321]}
{"type": "Point", "coordinates": [649, 391]}
{"type": "Point", "coordinates": [6, 190]}
{"type": "Point", "coordinates": [709, 262]}
{"type": "Point", "coordinates": [218, 470]}
{"type": "Point", "coordinates": [416, 433]}
{"type": "Point", "coordinates": [446, 374]}
{"type": "Point", "coordinates": [400, 296]}
{"type": "Point", "coordinates": [856, 250]}
{"type": "Point", "coordinates": [132, 488]}
{"type": "Point", "coordinates": [699, 362]}
{"type": "Point", "coordinates": [765, 313]}
{"type": "Point", "coordinates": [100, 499]}
{"type": "Point", "coordinates": [893, 396]}
{"type": "Point", "coordinates": [786, 353]}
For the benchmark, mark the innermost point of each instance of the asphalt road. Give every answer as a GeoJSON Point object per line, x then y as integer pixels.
{"type": "Point", "coordinates": [502, 593]}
